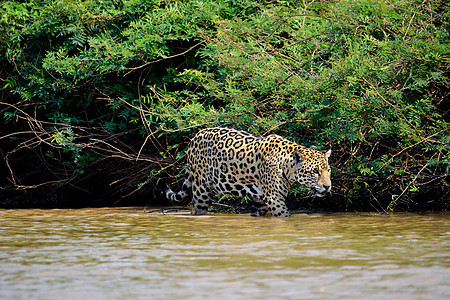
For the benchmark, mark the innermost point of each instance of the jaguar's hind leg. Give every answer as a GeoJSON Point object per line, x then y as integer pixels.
{"type": "Point", "coordinates": [201, 198]}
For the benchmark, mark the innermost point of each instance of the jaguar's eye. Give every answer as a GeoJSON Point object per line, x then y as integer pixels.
{"type": "Point", "coordinates": [317, 173]}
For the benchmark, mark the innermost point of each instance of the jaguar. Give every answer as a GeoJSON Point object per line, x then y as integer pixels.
{"type": "Point", "coordinates": [223, 160]}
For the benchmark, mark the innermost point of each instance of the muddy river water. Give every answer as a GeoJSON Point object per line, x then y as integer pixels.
{"type": "Point", "coordinates": [128, 253]}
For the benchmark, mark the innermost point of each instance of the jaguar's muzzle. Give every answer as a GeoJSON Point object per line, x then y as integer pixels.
{"type": "Point", "coordinates": [320, 192]}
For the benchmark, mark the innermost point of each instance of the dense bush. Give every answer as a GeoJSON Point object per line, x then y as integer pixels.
{"type": "Point", "coordinates": [104, 95]}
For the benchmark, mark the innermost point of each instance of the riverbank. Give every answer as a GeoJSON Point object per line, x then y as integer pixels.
{"type": "Point", "coordinates": [48, 197]}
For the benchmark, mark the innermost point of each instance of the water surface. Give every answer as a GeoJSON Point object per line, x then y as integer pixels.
{"type": "Point", "coordinates": [128, 253]}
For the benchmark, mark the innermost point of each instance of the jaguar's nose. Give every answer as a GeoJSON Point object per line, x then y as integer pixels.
{"type": "Point", "coordinates": [327, 188]}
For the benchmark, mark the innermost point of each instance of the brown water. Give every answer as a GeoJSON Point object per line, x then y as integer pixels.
{"type": "Point", "coordinates": [130, 254]}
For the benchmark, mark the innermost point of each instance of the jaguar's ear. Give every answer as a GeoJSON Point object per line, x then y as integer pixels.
{"type": "Point", "coordinates": [327, 155]}
{"type": "Point", "coordinates": [297, 157]}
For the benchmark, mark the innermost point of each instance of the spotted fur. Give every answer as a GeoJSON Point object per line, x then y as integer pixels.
{"type": "Point", "coordinates": [229, 161]}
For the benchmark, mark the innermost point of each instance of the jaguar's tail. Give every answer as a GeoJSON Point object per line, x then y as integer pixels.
{"type": "Point", "coordinates": [161, 188]}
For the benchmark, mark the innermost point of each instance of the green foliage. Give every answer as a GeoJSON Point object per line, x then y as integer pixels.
{"type": "Point", "coordinates": [365, 76]}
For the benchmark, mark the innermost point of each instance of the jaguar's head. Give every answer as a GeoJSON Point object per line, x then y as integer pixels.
{"type": "Point", "coordinates": [312, 170]}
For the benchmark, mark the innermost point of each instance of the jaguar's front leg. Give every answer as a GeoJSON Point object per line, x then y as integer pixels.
{"type": "Point", "coordinates": [277, 207]}
{"type": "Point", "coordinates": [259, 208]}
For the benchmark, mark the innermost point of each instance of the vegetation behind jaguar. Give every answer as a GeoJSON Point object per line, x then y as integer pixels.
{"type": "Point", "coordinates": [100, 98]}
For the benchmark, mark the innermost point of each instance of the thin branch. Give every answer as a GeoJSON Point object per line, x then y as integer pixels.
{"type": "Point", "coordinates": [164, 58]}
